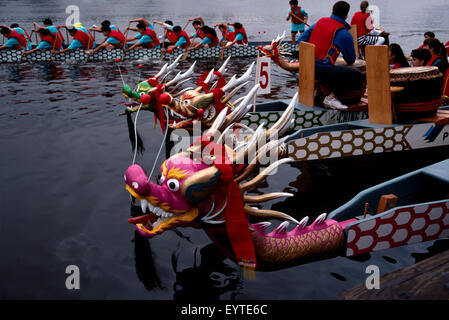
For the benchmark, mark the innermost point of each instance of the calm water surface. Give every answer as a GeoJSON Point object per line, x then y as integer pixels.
{"type": "Point", "coordinates": [65, 147]}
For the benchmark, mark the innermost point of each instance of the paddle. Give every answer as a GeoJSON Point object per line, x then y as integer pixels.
{"type": "Point", "coordinates": [295, 16]}
{"type": "Point", "coordinates": [163, 44]}
{"type": "Point", "coordinates": [124, 45]}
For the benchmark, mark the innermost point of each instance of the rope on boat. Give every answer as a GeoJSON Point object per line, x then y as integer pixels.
{"type": "Point", "coordinates": [135, 133]}
{"type": "Point", "coordinates": [160, 148]}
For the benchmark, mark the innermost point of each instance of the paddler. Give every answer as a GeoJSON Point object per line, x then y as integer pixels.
{"type": "Point", "coordinates": [197, 24]}
{"type": "Point", "coordinates": [15, 40]}
{"type": "Point", "coordinates": [420, 57]}
{"type": "Point", "coordinates": [146, 37]}
{"type": "Point", "coordinates": [299, 17]}
{"type": "Point", "coordinates": [227, 33]}
{"type": "Point", "coordinates": [82, 39]}
{"type": "Point", "coordinates": [240, 37]}
{"type": "Point", "coordinates": [48, 41]}
{"type": "Point", "coordinates": [366, 33]}
{"type": "Point", "coordinates": [210, 39]}
{"type": "Point", "coordinates": [182, 38]}
{"type": "Point", "coordinates": [170, 37]}
{"type": "Point", "coordinates": [146, 22]}
{"type": "Point", "coordinates": [343, 85]}
{"type": "Point", "coordinates": [48, 24]}
{"type": "Point", "coordinates": [105, 23]}
{"type": "Point", "coordinates": [114, 40]}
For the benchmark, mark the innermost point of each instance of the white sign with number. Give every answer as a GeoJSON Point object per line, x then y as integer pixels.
{"type": "Point", "coordinates": [264, 75]}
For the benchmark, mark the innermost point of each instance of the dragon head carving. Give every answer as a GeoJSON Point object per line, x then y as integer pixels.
{"type": "Point", "coordinates": [203, 103]}
{"type": "Point", "coordinates": [194, 191]}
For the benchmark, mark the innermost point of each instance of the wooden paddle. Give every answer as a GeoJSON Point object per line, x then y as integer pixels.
{"type": "Point", "coordinates": [222, 52]}
{"type": "Point", "coordinates": [163, 44]}
{"type": "Point", "coordinates": [295, 16]}
{"type": "Point", "coordinates": [124, 45]}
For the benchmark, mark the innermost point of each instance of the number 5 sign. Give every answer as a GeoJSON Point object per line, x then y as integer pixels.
{"type": "Point", "coordinates": [263, 75]}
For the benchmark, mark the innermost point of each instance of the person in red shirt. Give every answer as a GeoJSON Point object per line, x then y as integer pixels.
{"type": "Point", "coordinates": [366, 34]}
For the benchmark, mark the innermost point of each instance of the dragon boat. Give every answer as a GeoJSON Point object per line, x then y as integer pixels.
{"type": "Point", "coordinates": [212, 93]}
{"type": "Point", "coordinates": [10, 55]}
{"type": "Point", "coordinates": [209, 190]}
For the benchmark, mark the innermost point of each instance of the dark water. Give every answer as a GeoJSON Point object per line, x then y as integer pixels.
{"type": "Point", "coordinates": [64, 149]}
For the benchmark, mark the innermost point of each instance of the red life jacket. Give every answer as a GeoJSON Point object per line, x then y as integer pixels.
{"type": "Point", "coordinates": [323, 38]}
{"type": "Point", "coordinates": [397, 65]}
{"type": "Point", "coordinates": [185, 35]}
{"type": "Point", "coordinates": [85, 39]}
{"type": "Point", "coordinates": [27, 36]}
{"type": "Point", "coordinates": [228, 35]}
{"type": "Point", "coordinates": [215, 40]}
{"type": "Point", "coordinates": [359, 19]}
{"type": "Point", "coordinates": [19, 37]}
{"type": "Point", "coordinates": [153, 36]}
{"type": "Point", "coordinates": [119, 36]}
{"type": "Point", "coordinates": [200, 33]}
{"type": "Point", "coordinates": [242, 31]}
{"type": "Point", "coordinates": [299, 15]}
{"type": "Point", "coordinates": [54, 41]}
{"type": "Point", "coordinates": [433, 59]}
{"type": "Point", "coordinates": [171, 36]}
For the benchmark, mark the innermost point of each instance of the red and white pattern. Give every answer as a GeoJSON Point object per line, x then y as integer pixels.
{"type": "Point", "coordinates": [399, 227]}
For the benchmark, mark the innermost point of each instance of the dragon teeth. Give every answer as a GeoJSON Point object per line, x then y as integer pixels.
{"type": "Point", "coordinates": [143, 205]}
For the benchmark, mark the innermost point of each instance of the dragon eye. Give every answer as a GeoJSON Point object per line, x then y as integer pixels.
{"type": "Point", "coordinates": [135, 185]}
{"type": "Point", "coordinates": [186, 102]}
{"type": "Point", "coordinates": [173, 184]}
{"type": "Point", "coordinates": [142, 93]}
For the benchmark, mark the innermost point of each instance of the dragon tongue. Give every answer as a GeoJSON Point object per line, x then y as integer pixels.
{"type": "Point", "coordinates": [141, 219]}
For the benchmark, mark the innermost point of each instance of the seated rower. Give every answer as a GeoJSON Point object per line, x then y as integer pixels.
{"type": "Point", "coordinates": [240, 38]}
{"type": "Point", "coordinates": [210, 39]}
{"type": "Point", "coordinates": [82, 39]}
{"type": "Point", "coordinates": [197, 24]}
{"type": "Point", "coordinates": [146, 37]}
{"type": "Point", "coordinates": [170, 38]}
{"type": "Point", "coordinates": [146, 22]}
{"type": "Point", "coordinates": [227, 33]}
{"type": "Point", "coordinates": [105, 23]}
{"type": "Point", "coordinates": [114, 40]}
{"type": "Point", "coordinates": [48, 41]}
{"type": "Point", "coordinates": [342, 85]}
{"type": "Point", "coordinates": [366, 33]}
{"type": "Point", "coordinates": [420, 57]}
{"type": "Point", "coordinates": [397, 57]}
{"type": "Point", "coordinates": [438, 54]}
{"type": "Point", "coordinates": [48, 24]}
{"type": "Point", "coordinates": [427, 35]}
{"type": "Point", "coordinates": [183, 39]}
{"type": "Point", "coordinates": [16, 41]}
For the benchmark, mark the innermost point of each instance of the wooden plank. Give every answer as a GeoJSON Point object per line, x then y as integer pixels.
{"type": "Point", "coordinates": [306, 74]}
{"type": "Point", "coordinates": [378, 82]}
{"type": "Point", "coordinates": [427, 279]}
{"type": "Point", "coordinates": [354, 37]}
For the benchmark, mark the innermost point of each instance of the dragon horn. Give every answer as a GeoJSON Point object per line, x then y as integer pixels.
{"type": "Point", "coordinates": [174, 64]}
{"type": "Point", "coordinates": [263, 175]}
{"type": "Point", "coordinates": [284, 121]}
{"type": "Point", "coordinates": [223, 66]}
{"type": "Point", "coordinates": [209, 76]}
{"type": "Point", "coordinates": [240, 110]}
{"type": "Point", "coordinates": [180, 77]}
{"type": "Point", "coordinates": [163, 70]}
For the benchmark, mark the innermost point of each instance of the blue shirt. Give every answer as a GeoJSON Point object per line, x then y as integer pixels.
{"type": "Point", "coordinates": [229, 30]}
{"type": "Point", "coordinates": [44, 45]}
{"type": "Point", "coordinates": [342, 40]}
{"type": "Point", "coordinates": [239, 36]}
{"type": "Point", "coordinates": [76, 44]}
{"type": "Point", "coordinates": [206, 40]}
{"type": "Point", "coordinates": [21, 31]}
{"type": "Point", "coordinates": [181, 41]}
{"type": "Point", "coordinates": [144, 38]}
{"type": "Point", "coordinates": [11, 42]}
{"type": "Point", "coordinates": [112, 27]}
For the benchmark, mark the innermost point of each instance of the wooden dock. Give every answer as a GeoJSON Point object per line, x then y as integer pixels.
{"type": "Point", "coordinates": [425, 280]}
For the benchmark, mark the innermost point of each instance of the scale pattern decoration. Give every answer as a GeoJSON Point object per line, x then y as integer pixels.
{"type": "Point", "coordinates": [139, 54]}
{"type": "Point", "coordinates": [399, 227]}
{"type": "Point", "coordinates": [346, 143]}
{"type": "Point", "coordinates": [303, 119]}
